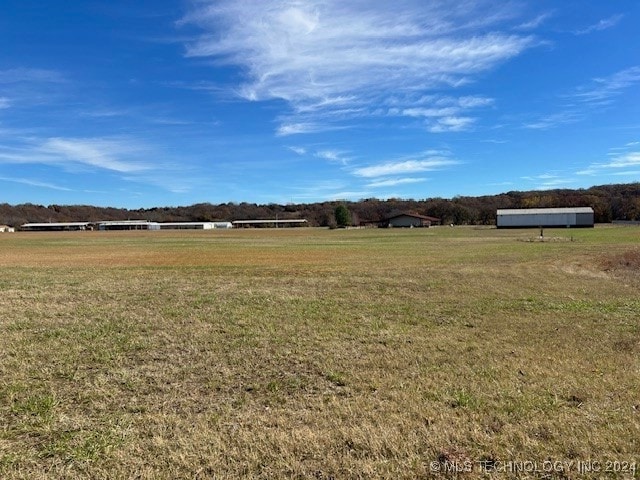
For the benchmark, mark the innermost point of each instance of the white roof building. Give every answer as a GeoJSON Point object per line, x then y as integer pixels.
{"type": "Point", "coordinates": [194, 225]}
{"type": "Point", "coordinates": [545, 217]}
{"type": "Point", "coordinates": [56, 226]}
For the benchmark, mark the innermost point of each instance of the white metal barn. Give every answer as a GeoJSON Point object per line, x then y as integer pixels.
{"type": "Point", "coordinates": [128, 225]}
{"type": "Point", "coordinates": [269, 223]}
{"type": "Point", "coordinates": [545, 217]}
{"type": "Point", "coordinates": [194, 225]}
{"type": "Point", "coordinates": [56, 226]}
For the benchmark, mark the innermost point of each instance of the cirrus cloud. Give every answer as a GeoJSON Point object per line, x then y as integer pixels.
{"type": "Point", "coordinates": [116, 154]}
{"type": "Point", "coordinates": [328, 56]}
{"type": "Point", "coordinates": [392, 182]}
{"type": "Point", "coordinates": [428, 161]}
{"type": "Point", "coordinates": [603, 24]}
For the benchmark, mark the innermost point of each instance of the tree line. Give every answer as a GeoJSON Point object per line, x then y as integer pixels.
{"type": "Point", "coordinates": [610, 202]}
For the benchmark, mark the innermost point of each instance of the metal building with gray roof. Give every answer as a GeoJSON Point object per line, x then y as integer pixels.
{"type": "Point", "coordinates": [545, 217]}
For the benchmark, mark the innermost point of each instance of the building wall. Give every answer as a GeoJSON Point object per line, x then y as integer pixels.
{"type": "Point", "coordinates": [184, 226]}
{"type": "Point", "coordinates": [407, 221]}
{"type": "Point", "coordinates": [129, 226]}
{"type": "Point", "coordinates": [194, 225]}
{"type": "Point", "coordinates": [54, 227]}
{"type": "Point", "coordinates": [545, 220]}
{"type": "Point", "coordinates": [584, 219]}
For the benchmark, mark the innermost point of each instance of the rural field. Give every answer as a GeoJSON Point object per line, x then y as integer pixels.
{"type": "Point", "coordinates": [312, 353]}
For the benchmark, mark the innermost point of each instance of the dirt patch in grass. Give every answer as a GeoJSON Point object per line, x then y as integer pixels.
{"type": "Point", "coordinates": [625, 263]}
{"type": "Point", "coordinates": [547, 239]}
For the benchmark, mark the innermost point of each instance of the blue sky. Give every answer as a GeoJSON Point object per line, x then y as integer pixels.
{"type": "Point", "coordinates": [164, 103]}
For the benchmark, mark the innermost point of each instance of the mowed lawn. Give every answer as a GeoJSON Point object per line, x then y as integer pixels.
{"type": "Point", "coordinates": [312, 353]}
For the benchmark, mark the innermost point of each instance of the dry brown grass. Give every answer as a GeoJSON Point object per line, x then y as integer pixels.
{"type": "Point", "coordinates": [314, 354]}
{"type": "Point", "coordinates": [625, 263]}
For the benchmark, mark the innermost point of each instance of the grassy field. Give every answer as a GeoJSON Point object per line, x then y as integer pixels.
{"type": "Point", "coordinates": [309, 353]}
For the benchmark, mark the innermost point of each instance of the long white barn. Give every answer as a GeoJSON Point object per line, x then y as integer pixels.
{"type": "Point", "coordinates": [121, 225]}
{"type": "Point", "coordinates": [194, 225]}
{"type": "Point", "coordinates": [545, 217]}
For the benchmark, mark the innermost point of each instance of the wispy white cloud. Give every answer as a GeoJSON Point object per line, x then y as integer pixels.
{"type": "Point", "coordinates": [107, 154]}
{"type": "Point", "coordinates": [352, 195]}
{"type": "Point", "coordinates": [620, 160]}
{"type": "Point", "coordinates": [548, 181]}
{"type": "Point", "coordinates": [555, 120]}
{"type": "Point", "coordinates": [392, 182]}
{"type": "Point", "coordinates": [630, 159]}
{"type": "Point", "coordinates": [337, 103]}
{"type": "Point", "coordinates": [159, 120]}
{"type": "Point", "coordinates": [535, 22]}
{"type": "Point", "coordinates": [328, 190]}
{"type": "Point", "coordinates": [298, 150]}
{"type": "Point", "coordinates": [627, 173]}
{"type": "Point", "coordinates": [29, 87]}
{"type": "Point", "coordinates": [602, 90]}
{"type": "Point", "coordinates": [335, 156]}
{"type": "Point", "coordinates": [296, 128]}
{"type": "Point", "coordinates": [105, 113]}
{"type": "Point", "coordinates": [422, 163]}
{"type": "Point", "coordinates": [428, 112]}
{"type": "Point", "coordinates": [4, 102]}
{"type": "Point", "coordinates": [443, 114]}
{"type": "Point", "coordinates": [327, 55]}
{"type": "Point", "coordinates": [474, 101]}
{"type": "Point", "coordinates": [34, 183]}
{"type": "Point", "coordinates": [451, 124]}
{"type": "Point", "coordinates": [587, 98]}
{"type": "Point", "coordinates": [603, 24]}
{"type": "Point", "coordinates": [115, 154]}
{"type": "Point", "coordinates": [30, 75]}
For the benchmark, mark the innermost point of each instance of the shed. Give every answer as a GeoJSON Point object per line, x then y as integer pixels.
{"type": "Point", "coordinates": [410, 220]}
{"type": "Point", "coordinates": [545, 217]}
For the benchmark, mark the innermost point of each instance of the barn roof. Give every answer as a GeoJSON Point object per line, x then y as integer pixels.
{"type": "Point", "coordinates": [413, 215]}
{"type": "Point", "coordinates": [56, 224]}
{"type": "Point", "coordinates": [189, 223]}
{"type": "Point", "coordinates": [543, 211]}
{"type": "Point", "coordinates": [127, 222]}
{"type": "Point", "coordinates": [282, 220]}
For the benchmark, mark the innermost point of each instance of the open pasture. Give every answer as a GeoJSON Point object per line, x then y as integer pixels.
{"type": "Point", "coordinates": [309, 353]}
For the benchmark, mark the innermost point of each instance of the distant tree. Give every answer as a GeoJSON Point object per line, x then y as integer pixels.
{"type": "Point", "coordinates": [343, 216]}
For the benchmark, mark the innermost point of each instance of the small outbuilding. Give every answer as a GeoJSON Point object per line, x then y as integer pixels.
{"type": "Point", "coordinates": [408, 220]}
{"type": "Point", "coordinates": [6, 229]}
{"type": "Point", "coordinates": [545, 217]}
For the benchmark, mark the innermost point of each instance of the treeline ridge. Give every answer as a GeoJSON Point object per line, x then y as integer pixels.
{"type": "Point", "coordinates": [610, 202]}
